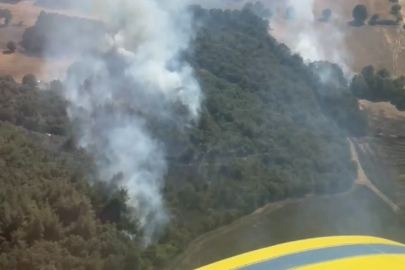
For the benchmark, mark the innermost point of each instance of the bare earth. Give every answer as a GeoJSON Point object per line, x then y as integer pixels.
{"type": "Point", "coordinates": [381, 46]}
{"type": "Point", "coordinates": [25, 14]}
{"type": "Point", "coordinates": [382, 109]}
{"type": "Point", "coordinates": [362, 179]}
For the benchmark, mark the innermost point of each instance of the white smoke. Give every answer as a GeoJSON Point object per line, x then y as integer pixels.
{"type": "Point", "coordinates": [312, 39]}
{"type": "Point", "coordinates": [149, 36]}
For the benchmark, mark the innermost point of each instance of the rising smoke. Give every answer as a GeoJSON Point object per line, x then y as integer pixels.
{"type": "Point", "coordinates": [110, 107]}
{"type": "Point", "coordinates": [315, 41]}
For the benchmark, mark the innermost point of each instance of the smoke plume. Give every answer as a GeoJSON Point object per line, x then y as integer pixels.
{"type": "Point", "coordinates": [312, 39]}
{"type": "Point", "coordinates": [147, 38]}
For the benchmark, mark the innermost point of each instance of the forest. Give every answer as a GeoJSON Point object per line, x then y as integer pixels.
{"type": "Point", "coordinates": [271, 128]}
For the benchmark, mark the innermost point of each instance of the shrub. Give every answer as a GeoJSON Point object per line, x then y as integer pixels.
{"type": "Point", "coordinates": [395, 9]}
{"type": "Point", "coordinates": [11, 46]}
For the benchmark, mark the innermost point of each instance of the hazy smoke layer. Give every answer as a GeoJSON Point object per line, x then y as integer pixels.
{"type": "Point", "coordinates": [148, 36]}
{"type": "Point", "coordinates": [313, 40]}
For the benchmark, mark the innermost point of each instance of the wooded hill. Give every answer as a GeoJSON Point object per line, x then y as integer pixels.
{"type": "Point", "coordinates": [270, 129]}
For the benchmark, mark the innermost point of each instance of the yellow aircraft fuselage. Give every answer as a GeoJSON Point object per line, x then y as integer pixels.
{"type": "Point", "coordinates": [334, 253]}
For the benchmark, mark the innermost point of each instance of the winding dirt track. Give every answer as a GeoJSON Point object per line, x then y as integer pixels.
{"type": "Point", "coordinates": [362, 179]}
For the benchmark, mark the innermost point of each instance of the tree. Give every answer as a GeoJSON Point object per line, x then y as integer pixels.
{"type": "Point", "coordinates": [326, 14]}
{"type": "Point", "coordinates": [395, 9]}
{"type": "Point", "coordinates": [11, 46]}
{"type": "Point", "coordinates": [360, 14]}
{"type": "Point", "coordinates": [30, 80]}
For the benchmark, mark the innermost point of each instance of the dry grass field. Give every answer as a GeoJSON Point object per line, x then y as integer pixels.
{"type": "Point", "coordinates": [338, 41]}
{"type": "Point", "coordinates": [18, 64]}
{"type": "Point", "coordinates": [358, 212]}
{"type": "Point", "coordinates": [356, 47]}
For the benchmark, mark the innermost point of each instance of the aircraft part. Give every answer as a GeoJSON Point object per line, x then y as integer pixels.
{"type": "Point", "coordinates": [337, 253]}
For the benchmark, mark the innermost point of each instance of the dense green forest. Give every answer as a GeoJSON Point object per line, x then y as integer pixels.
{"type": "Point", "coordinates": [271, 128]}
{"type": "Point", "coordinates": [51, 218]}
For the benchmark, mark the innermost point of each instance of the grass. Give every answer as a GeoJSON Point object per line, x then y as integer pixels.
{"type": "Point", "coordinates": [359, 212]}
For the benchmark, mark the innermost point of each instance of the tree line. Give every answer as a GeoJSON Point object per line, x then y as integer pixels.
{"type": "Point", "coordinates": [379, 85]}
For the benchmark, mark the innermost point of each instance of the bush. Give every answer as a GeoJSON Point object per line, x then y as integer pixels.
{"type": "Point", "coordinates": [11, 46]}
{"type": "Point", "coordinates": [360, 13]}
{"type": "Point", "coordinates": [395, 9]}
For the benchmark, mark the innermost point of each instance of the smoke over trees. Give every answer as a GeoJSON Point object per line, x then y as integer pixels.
{"type": "Point", "coordinates": [259, 9]}
{"type": "Point", "coordinates": [128, 138]}
{"type": "Point", "coordinates": [56, 34]}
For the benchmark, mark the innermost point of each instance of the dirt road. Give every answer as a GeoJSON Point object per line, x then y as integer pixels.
{"type": "Point", "coordinates": [362, 179]}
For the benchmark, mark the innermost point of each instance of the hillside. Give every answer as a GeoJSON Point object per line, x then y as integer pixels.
{"type": "Point", "coordinates": [267, 160]}
{"type": "Point", "coordinates": [270, 129]}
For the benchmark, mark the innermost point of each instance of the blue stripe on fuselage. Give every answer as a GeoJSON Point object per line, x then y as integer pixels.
{"type": "Point", "coordinates": [322, 255]}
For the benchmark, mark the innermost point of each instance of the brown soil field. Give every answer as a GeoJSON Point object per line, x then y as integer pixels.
{"type": "Point", "coordinates": [383, 152]}
{"type": "Point", "coordinates": [382, 109]}
{"type": "Point", "coordinates": [381, 46]}
{"type": "Point", "coordinates": [27, 12]}
{"type": "Point", "coordinates": [357, 212]}
{"type": "Point", "coordinates": [18, 64]}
